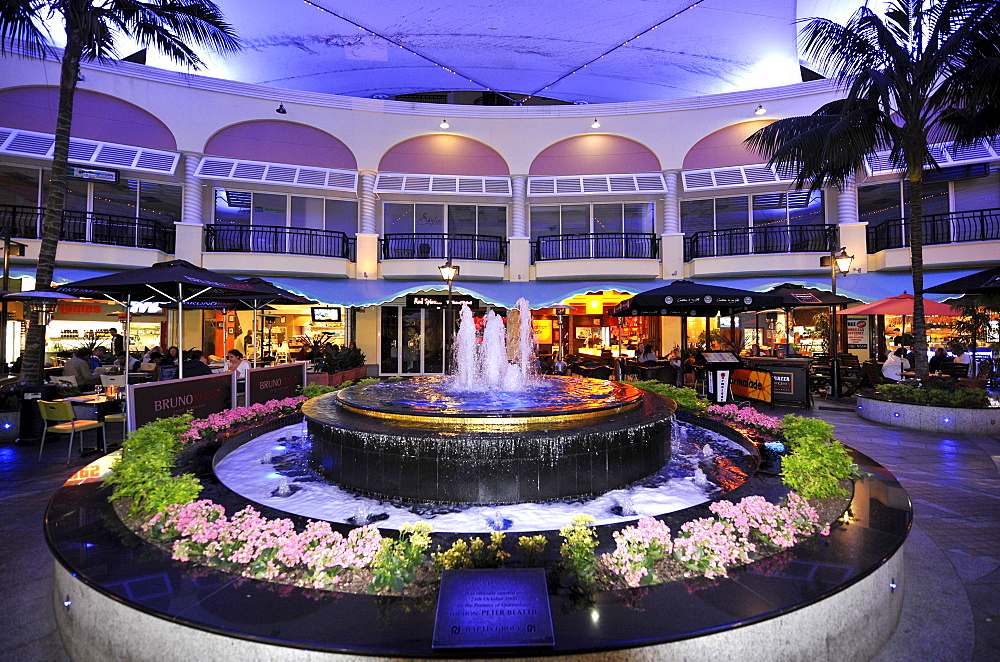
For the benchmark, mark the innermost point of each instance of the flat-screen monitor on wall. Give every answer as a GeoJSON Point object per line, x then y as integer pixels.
{"type": "Point", "coordinates": [326, 314]}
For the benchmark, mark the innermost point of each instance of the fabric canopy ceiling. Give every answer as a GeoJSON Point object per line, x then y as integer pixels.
{"type": "Point", "coordinates": [593, 51]}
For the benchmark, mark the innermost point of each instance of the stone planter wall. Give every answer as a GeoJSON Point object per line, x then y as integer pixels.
{"type": "Point", "coordinates": [982, 422]}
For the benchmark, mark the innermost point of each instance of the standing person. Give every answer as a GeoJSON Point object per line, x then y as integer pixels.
{"type": "Point", "coordinates": [237, 363]}
{"type": "Point", "coordinates": [196, 364]}
{"type": "Point", "coordinates": [117, 342]}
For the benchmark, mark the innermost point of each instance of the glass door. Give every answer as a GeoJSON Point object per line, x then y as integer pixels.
{"type": "Point", "coordinates": [412, 341]}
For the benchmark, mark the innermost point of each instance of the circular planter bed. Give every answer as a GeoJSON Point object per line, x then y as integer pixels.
{"type": "Point", "coordinates": [913, 416]}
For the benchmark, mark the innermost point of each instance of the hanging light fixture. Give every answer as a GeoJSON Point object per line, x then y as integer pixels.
{"type": "Point", "coordinates": [760, 109]}
{"type": "Point", "coordinates": [444, 124]}
{"type": "Point", "coordinates": [596, 124]}
{"type": "Point", "coordinates": [281, 109]}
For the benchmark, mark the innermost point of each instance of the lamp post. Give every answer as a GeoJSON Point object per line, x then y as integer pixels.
{"type": "Point", "coordinates": [838, 262]}
{"type": "Point", "coordinates": [449, 272]}
{"type": "Point", "coordinates": [9, 248]}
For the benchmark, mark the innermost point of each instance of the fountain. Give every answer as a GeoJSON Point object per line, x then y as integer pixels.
{"type": "Point", "coordinates": [494, 432]}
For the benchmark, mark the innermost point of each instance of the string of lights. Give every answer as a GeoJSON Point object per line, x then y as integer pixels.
{"type": "Point", "coordinates": [406, 48]}
{"type": "Point", "coordinates": [614, 48]}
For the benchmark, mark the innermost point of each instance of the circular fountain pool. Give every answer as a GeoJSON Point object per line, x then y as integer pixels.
{"type": "Point", "coordinates": [419, 440]}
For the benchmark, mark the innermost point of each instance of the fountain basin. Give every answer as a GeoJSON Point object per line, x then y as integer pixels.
{"type": "Point", "coordinates": [416, 441]}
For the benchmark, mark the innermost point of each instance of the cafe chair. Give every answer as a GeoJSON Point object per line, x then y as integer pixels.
{"type": "Point", "coordinates": [113, 380]}
{"type": "Point", "coordinates": [60, 418]}
{"type": "Point", "coordinates": [119, 418]}
{"type": "Point", "coordinates": [69, 380]}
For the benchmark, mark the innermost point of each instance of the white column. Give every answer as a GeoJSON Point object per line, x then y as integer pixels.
{"type": "Point", "coordinates": [368, 225]}
{"type": "Point", "coordinates": [671, 205]}
{"type": "Point", "coordinates": [194, 197]}
{"type": "Point", "coordinates": [519, 208]}
{"type": "Point", "coordinates": [847, 202]}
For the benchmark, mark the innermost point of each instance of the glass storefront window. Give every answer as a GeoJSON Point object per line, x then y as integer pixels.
{"type": "Point", "coordinates": [19, 186]}
{"type": "Point", "coordinates": [544, 220]}
{"type": "Point", "coordinates": [697, 216]}
{"type": "Point", "coordinates": [116, 199]}
{"type": "Point", "coordinates": [462, 219]}
{"type": "Point", "coordinates": [307, 213]}
{"type": "Point", "coordinates": [161, 202]}
{"type": "Point", "coordinates": [491, 220]}
{"type": "Point", "coordinates": [232, 207]}
{"type": "Point", "coordinates": [389, 333]}
{"type": "Point", "coordinates": [878, 203]}
{"type": "Point", "coordinates": [397, 219]}
{"type": "Point", "coordinates": [638, 217]}
{"type": "Point", "coordinates": [269, 209]}
{"type": "Point", "coordinates": [342, 216]}
{"type": "Point", "coordinates": [608, 218]}
{"type": "Point", "coordinates": [429, 219]}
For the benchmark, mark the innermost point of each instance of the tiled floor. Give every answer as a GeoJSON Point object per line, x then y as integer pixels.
{"type": "Point", "coordinates": [952, 603]}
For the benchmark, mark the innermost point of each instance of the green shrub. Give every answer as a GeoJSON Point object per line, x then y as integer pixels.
{"type": "Point", "coordinates": [687, 399]}
{"type": "Point", "coordinates": [395, 565]}
{"type": "Point", "coordinates": [941, 397]}
{"type": "Point", "coordinates": [143, 472]}
{"type": "Point", "coordinates": [316, 390]}
{"type": "Point", "coordinates": [814, 469]}
{"type": "Point", "coordinates": [579, 543]}
{"type": "Point", "coordinates": [801, 430]}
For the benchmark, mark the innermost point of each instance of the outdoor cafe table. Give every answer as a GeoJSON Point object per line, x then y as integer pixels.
{"type": "Point", "coordinates": [104, 405]}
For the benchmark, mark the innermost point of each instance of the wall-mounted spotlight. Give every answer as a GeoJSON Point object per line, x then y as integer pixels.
{"type": "Point", "coordinates": [760, 109]}
{"type": "Point", "coordinates": [444, 124]}
{"type": "Point", "coordinates": [596, 124]}
{"type": "Point", "coordinates": [281, 109]}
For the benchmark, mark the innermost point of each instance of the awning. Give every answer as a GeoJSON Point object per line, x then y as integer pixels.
{"type": "Point", "coordinates": [540, 294]}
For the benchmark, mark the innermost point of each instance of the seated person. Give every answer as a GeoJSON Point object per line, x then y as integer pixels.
{"type": "Point", "coordinates": [895, 365]}
{"type": "Point", "coordinates": [196, 365]}
{"type": "Point", "coordinates": [645, 353]}
{"type": "Point", "coordinates": [133, 363]}
{"type": "Point", "coordinates": [166, 369]}
{"type": "Point", "coordinates": [79, 367]}
{"type": "Point", "coordinates": [237, 363]}
{"type": "Point", "coordinates": [939, 359]}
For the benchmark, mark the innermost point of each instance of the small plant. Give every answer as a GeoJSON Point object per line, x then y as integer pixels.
{"type": "Point", "coordinates": [638, 549]}
{"type": "Point", "coordinates": [395, 565]}
{"type": "Point", "coordinates": [687, 399]}
{"type": "Point", "coordinates": [800, 430]}
{"type": "Point", "coordinates": [774, 525]}
{"type": "Point", "coordinates": [474, 554]}
{"type": "Point", "coordinates": [579, 543]}
{"type": "Point", "coordinates": [709, 545]}
{"type": "Point", "coordinates": [143, 472]}
{"type": "Point", "coordinates": [814, 469]}
{"type": "Point", "coordinates": [532, 548]}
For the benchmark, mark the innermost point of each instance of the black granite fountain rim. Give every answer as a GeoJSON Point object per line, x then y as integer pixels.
{"type": "Point", "coordinates": [90, 542]}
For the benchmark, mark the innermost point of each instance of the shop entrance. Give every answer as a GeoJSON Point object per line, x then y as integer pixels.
{"type": "Point", "coordinates": [412, 341]}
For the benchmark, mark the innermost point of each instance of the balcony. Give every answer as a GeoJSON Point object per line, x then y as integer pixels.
{"type": "Point", "coordinates": [957, 227]}
{"type": "Point", "coordinates": [442, 246]}
{"type": "Point", "coordinates": [629, 255]}
{"type": "Point", "coordinates": [92, 228]}
{"type": "Point", "coordinates": [763, 240]}
{"type": "Point", "coordinates": [615, 246]}
{"type": "Point", "coordinates": [404, 256]}
{"type": "Point", "coordinates": [278, 240]}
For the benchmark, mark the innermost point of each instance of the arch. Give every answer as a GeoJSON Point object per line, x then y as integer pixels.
{"type": "Point", "coordinates": [725, 148]}
{"type": "Point", "coordinates": [95, 117]}
{"type": "Point", "coordinates": [444, 154]}
{"type": "Point", "coordinates": [279, 141]}
{"type": "Point", "coordinates": [594, 154]}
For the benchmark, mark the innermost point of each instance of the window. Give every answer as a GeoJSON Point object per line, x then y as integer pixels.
{"type": "Point", "coordinates": [408, 218]}
{"type": "Point", "coordinates": [19, 186]}
{"type": "Point", "coordinates": [598, 218]}
{"type": "Point", "coordinates": [885, 202]}
{"type": "Point", "coordinates": [281, 210]}
{"type": "Point", "coordinates": [761, 211]}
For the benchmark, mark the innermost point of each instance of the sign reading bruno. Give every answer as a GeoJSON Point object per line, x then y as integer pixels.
{"type": "Point", "coordinates": [493, 608]}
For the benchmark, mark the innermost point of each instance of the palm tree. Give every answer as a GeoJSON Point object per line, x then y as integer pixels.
{"type": "Point", "coordinates": [91, 30]}
{"type": "Point", "coordinates": [927, 65]}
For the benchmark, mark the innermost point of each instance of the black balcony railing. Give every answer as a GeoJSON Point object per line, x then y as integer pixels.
{"type": "Point", "coordinates": [760, 240]}
{"type": "Point", "coordinates": [277, 239]}
{"type": "Point", "coordinates": [957, 227]}
{"type": "Point", "coordinates": [482, 247]}
{"type": "Point", "coordinates": [93, 228]}
{"type": "Point", "coordinates": [620, 246]}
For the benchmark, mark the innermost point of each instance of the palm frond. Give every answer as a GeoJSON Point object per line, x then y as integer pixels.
{"type": "Point", "coordinates": [19, 29]}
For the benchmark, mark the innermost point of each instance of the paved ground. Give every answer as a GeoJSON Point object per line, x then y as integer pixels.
{"type": "Point", "coordinates": [952, 588]}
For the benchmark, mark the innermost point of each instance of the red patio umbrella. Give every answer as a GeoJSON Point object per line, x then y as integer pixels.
{"type": "Point", "coordinates": [901, 304]}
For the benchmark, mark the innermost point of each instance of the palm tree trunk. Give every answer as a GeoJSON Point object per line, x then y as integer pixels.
{"type": "Point", "coordinates": [916, 232]}
{"type": "Point", "coordinates": [55, 203]}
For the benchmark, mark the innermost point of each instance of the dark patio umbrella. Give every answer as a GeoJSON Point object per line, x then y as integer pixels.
{"type": "Point", "coordinates": [176, 281]}
{"type": "Point", "coordinates": [265, 294]}
{"type": "Point", "coordinates": [794, 296]}
{"type": "Point", "coordinates": [686, 298]}
{"type": "Point", "coordinates": [984, 282]}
